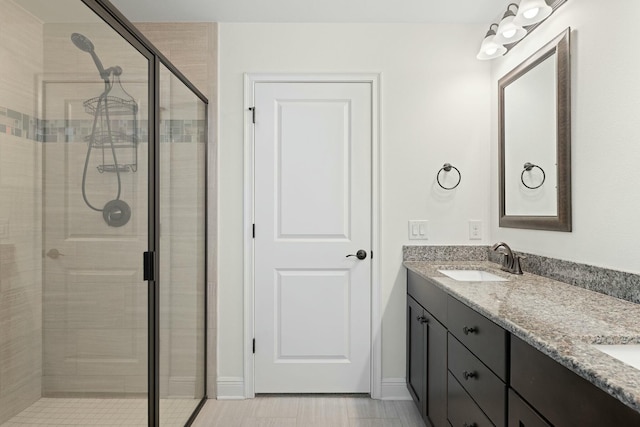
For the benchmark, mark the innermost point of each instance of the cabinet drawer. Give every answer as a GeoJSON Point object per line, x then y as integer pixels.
{"type": "Point", "coordinates": [432, 298]}
{"type": "Point", "coordinates": [484, 338]}
{"type": "Point", "coordinates": [560, 395]}
{"type": "Point", "coordinates": [522, 415]}
{"type": "Point", "coordinates": [462, 410]}
{"type": "Point", "coordinates": [482, 385]}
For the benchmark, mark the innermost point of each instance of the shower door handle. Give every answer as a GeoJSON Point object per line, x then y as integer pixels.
{"type": "Point", "coordinates": [54, 254]}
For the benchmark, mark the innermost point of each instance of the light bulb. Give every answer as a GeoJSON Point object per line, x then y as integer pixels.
{"type": "Point", "coordinates": [531, 12]}
{"type": "Point", "coordinates": [509, 33]}
{"type": "Point", "coordinates": [491, 50]}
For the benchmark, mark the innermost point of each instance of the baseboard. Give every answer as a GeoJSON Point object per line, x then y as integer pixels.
{"type": "Point", "coordinates": [394, 389]}
{"type": "Point", "coordinates": [230, 388]}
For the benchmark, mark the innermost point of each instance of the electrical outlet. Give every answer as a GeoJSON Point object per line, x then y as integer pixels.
{"type": "Point", "coordinates": [418, 230]}
{"type": "Point", "coordinates": [475, 230]}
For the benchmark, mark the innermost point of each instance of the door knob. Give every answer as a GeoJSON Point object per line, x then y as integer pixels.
{"type": "Point", "coordinates": [361, 254]}
{"type": "Point", "coordinates": [54, 254]}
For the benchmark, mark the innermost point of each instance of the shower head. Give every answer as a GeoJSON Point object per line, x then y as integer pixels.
{"type": "Point", "coordinates": [82, 42]}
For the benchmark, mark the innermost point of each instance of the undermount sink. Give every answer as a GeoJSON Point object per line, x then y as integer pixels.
{"type": "Point", "coordinates": [627, 353]}
{"type": "Point", "coordinates": [473, 276]}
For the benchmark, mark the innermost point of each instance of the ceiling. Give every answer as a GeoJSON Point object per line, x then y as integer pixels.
{"type": "Point", "coordinates": [354, 11]}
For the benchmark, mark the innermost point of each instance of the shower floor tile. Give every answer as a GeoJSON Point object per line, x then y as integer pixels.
{"type": "Point", "coordinates": [100, 412]}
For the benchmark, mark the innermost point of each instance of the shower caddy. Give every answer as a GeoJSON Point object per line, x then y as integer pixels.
{"type": "Point", "coordinates": [116, 102]}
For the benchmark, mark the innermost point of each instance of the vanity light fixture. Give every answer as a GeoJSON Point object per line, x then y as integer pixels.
{"type": "Point", "coordinates": [532, 11]}
{"type": "Point", "coordinates": [490, 48]}
{"type": "Point", "coordinates": [517, 22]}
{"type": "Point", "coordinates": [508, 31]}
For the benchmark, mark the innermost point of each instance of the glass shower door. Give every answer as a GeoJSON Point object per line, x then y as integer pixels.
{"type": "Point", "coordinates": [94, 129]}
{"type": "Point", "coordinates": [182, 152]}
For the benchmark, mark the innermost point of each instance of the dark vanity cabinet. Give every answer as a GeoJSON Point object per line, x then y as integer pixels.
{"type": "Point", "coordinates": [464, 370]}
{"type": "Point", "coordinates": [427, 350]}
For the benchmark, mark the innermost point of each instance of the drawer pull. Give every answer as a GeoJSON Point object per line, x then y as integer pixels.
{"type": "Point", "coordinates": [468, 375]}
{"type": "Point", "coordinates": [422, 319]}
{"type": "Point", "coordinates": [469, 330]}
{"type": "Point", "coordinates": [469, 425]}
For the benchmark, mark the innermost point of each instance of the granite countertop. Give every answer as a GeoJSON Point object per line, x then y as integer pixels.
{"type": "Point", "coordinates": [558, 319]}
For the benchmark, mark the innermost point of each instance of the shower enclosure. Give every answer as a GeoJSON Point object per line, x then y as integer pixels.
{"type": "Point", "coordinates": [103, 147]}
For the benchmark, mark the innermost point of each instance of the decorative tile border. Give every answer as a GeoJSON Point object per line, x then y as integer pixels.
{"type": "Point", "coordinates": [23, 125]}
{"type": "Point", "coordinates": [614, 283]}
{"type": "Point", "coordinates": [18, 124]}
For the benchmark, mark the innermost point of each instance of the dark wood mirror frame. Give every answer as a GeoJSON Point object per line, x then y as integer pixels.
{"type": "Point", "coordinates": [559, 46]}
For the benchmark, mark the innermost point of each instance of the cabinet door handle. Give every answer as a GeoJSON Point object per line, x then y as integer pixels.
{"type": "Point", "coordinates": [467, 375]}
{"type": "Point", "coordinates": [422, 319]}
{"type": "Point", "coordinates": [469, 330]}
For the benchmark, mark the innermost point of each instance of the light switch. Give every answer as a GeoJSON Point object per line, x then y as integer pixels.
{"type": "Point", "coordinates": [419, 230]}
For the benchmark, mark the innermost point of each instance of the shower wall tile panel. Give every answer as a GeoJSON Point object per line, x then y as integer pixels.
{"type": "Point", "coordinates": [20, 213]}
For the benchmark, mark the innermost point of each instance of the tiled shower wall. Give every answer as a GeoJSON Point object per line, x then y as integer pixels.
{"type": "Point", "coordinates": [21, 53]}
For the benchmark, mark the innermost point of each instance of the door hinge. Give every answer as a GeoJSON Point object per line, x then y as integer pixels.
{"type": "Point", "coordinates": [254, 346]}
{"type": "Point", "coordinates": [149, 266]}
{"type": "Point", "coordinates": [253, 114]}
{"type": "Point", "coordinates": [254, 231]}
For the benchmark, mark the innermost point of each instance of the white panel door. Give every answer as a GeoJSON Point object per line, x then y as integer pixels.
{"type": "Point", "coordinates": [312, 209]}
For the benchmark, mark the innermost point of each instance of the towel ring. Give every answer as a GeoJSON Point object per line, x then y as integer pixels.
{"type": "Point", "coordinates": [447, 168]}
{"type": "Point", "coordinates": [527, 168]}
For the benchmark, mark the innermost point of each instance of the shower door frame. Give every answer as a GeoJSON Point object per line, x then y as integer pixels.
{"type": "Point", "coordinates": [121, 25]}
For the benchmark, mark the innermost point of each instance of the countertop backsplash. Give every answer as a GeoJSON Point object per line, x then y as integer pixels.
{"type": "Point", "coordinates": [614, 283]}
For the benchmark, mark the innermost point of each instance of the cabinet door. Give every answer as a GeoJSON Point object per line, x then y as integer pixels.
{"type": "Point", "coordinates": [416, 354]}
{"type": "Point", "coordinates": [436, 372]}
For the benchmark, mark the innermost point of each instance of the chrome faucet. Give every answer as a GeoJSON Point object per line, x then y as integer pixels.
{"type": "Point", "coordinates": [510, 261]}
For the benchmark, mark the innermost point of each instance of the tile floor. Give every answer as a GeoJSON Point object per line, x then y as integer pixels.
{"type": "Point", "coordinates": [309, 411]}
{"type": "Point", "coordinates": [101, 412]}
{"type": "Point", "coordinates": [270, 411]}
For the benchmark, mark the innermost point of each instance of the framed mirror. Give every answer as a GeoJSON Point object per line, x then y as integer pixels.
{"type": "Point", "coordinates": [534, 103]}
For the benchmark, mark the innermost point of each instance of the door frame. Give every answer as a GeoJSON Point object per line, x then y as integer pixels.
{"type": "Point", "coordinates": [250, 80]}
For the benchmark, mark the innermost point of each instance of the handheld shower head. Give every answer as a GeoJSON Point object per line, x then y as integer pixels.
{"type": "Point", "coordinates": [82, 42]}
